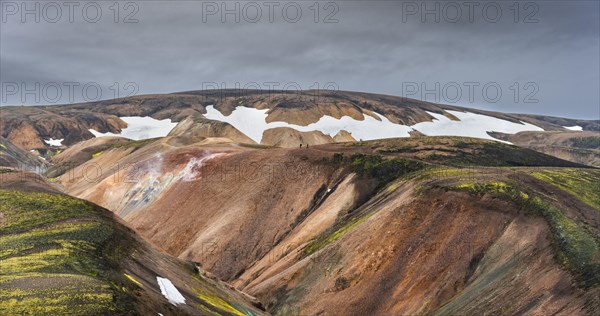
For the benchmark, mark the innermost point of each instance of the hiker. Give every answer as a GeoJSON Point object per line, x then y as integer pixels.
{"type": "Point", "coordinates": [300, 145]}
{"type": "Point", "coordinates": [306, 145]}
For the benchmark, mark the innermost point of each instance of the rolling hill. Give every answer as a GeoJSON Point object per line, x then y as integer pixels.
{"type": "Point", "coordinates": [61, 255]}
{"type": "Point", "coordinates": [420, 225]}
{"type": "Point", "coordinates": [241, 202]}
{"type": "Point", "coordinates": [280, 118]}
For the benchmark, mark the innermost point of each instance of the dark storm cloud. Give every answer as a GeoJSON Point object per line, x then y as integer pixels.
{"type": "Point", "coordinates": [374, 46]}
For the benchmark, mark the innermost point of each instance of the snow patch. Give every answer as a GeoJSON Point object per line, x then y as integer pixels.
{"type": "Point", "coordinates": [54, 142]}
{"type": "Point", "coordinates": [169, 291]}
{"type": "Point", "coordinates": [574, 128]}
{"type": "Point", "coordinates": [252, 122]}
{"type": "Point", "coordinates": [139, 128]}
{"type": "Point", "coordinates": [470, 125]}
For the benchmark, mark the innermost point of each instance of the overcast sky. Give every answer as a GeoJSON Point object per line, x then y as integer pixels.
{"type": "Point", "coordinates": [543, 56]}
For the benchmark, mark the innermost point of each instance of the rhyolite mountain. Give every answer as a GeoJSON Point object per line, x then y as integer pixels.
{"type": "Point", "coordinates": [241, 220]}
{"type": "Point", "coordinates": [290, 118]}
{"type": "Point", "coordinates": [406, 226]}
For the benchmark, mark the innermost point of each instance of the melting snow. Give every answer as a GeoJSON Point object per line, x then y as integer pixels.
{"type": "Point", "coordinates": [470, 125]}
{"type": "Point", "coordinates": [139, 128]}
{"type": "Point", "coordinates": [169, 291]}
{"type": "Point", "coordinates": [54, 142]}
{"type": "Point", "coordinates": [574, 128]}
{"type": "Point", "coordinates": [252, 122]}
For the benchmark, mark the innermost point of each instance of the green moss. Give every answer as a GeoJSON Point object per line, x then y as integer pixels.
{"type": "Point", "coordinates": [468, 153]}
{"type": "Point", "coordinates": [213, 303]}
{"type": "Point", "coordinates": [401, 149]}
{"type": "Point", "coordinates": [582, 183]}
{"type": "Point", "coordinates": [339, 230]}
{"type": "Point", "coordinates": [132, 279]}
{"type": "Point", "coordinates": [97, 154]}
{"type": "Point", "coordinates": [217, 302]}
{"type": "Point", "coordinates": [58, 256]}
{"type": "Point", "coordinates": [592, 142]}
{"type": "Point", "coordinates": [578, 249]}
{"type": "Point", "coordinates": [5, 170]}
{"type": "Point", "coordinates": [382, 169]}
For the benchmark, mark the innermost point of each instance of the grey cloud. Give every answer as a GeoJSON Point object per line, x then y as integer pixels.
{"type": "Point", "coordinates": [369, 49]}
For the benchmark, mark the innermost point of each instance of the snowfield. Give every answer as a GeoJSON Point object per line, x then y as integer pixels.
{"type": "Point", "coordinates": [139, 128]}
{"type": "Point", "coordinates": [470, 125]}
{"type": "Point", "coordinates": [54, 142]}
{"type": "Point", "coordinates": [574, 128]}
{"type": "Point", "coordinates": [252, 122]}
{"type": "Point", "coordinates": [169, 291]}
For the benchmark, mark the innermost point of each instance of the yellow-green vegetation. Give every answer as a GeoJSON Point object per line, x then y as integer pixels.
{"type": "Point", "coordinates": [476, 153]}
{"type": "Point", "coordinates": [331, 236]}
{"type": "Point", "coordinates": [132, 279]}
{"type": "Point", "coordinates": [384, 170]}
{"type": "Point", "coordinates": [461, 174]}
{"type": "Point", "coordinates": [58, 256]}
{"type": "Point", "coordinates": [592, 142]}
{"type": "Point", "coordinates": [582, 183]}
{"type": "Point", "coordinates": [217, 302]}
{"type": "Point", "coordinates": [65, 256]}
{"type": "Point", "coordinates": [94, 155]}
{"type": "Point", "coordinates": [213, 303]}
{"type": "Point", "coordinates": [6, 170]}
{"type": "Point", "coordinates": [578, 249]}
{"type": "Point", "coordinates": [488, 187]}
{"type": "Point", "coordinates": [2, 145]}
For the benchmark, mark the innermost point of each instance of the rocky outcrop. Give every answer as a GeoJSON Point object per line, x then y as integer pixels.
{"type": "Point", "coordinates": [14, 157]}
{"type": "Point", "coordinates": [199, 128]}
{"type": "Point", "coordinates": [343, 136]}
{"type": "Point", "coordinates": [289, 137]}
{"type": "Point", "coordinates": [29, 127]}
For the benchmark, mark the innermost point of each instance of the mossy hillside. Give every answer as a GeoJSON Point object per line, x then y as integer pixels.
{"type": "Point", "coordinates": [586, 142]}
{"type": "Point", "coordinates": [497, 154]}
{"type": "Point", "coordinates": [459, 152]}
{"type": "Point", "coordinates": [6, 170]}
{"type": "Point", "coordinates": [577, 249]}
{"type": "Point", "coordinates": [382, 169]}
{"type": "Point", "coordinates": [335, 233]}
{"type": "Point", "coordinates": [59, 256]}
{"type": "Point", "coordinates": [584, 184]}
{"type": "Point", "coordinates": [62, 255]}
